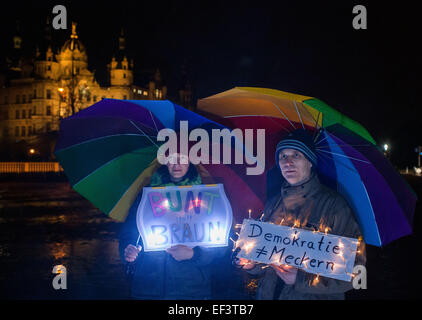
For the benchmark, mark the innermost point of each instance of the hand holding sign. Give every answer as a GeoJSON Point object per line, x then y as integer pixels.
{"type": "Point", "coordinates": [286, 273]}
{"type": "Point", "coordinates": [245, 263]}
{"type": "Point", "coordinates": [131, 252]}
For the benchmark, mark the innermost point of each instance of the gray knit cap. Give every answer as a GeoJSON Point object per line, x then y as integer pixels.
{"type": "Point", "coordinates": [300, 140]}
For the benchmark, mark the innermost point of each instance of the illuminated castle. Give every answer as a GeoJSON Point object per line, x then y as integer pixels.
{"type": "Point", "coordinates": [36, 92]}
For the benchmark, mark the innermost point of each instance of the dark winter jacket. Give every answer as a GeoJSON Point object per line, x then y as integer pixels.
{"type": "Point", "coordinates": [315, 207]}
{"type": "Point", "coordinates": [157, 275]}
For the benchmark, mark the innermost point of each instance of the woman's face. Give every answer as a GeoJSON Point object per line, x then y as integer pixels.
{"type": "Point", "coordinates": [176, 169]}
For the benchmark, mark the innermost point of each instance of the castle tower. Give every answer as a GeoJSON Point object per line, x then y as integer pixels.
{"type": "Point", "coordinates": [121, 70]}
{"type": "Point", "coordinates": [45, 64]}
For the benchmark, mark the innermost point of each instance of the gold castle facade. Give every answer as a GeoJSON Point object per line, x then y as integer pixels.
{"type": "Point", "coordinates": [56, 85]}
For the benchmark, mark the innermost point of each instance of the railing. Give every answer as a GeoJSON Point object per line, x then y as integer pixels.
{"type": "Point", "coordinates": [24, 167]}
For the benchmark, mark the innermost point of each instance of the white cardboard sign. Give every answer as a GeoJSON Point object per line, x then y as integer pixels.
{"type": "Point", "coordinates": [198, 215]}
{"type": "Point", "coordinates": [315, 252]}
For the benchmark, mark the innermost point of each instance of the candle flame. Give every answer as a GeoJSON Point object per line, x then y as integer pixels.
{"type": "Point", "coordinates": [316, 280]}
{"type": "Point", "coordinates": [248, 246]}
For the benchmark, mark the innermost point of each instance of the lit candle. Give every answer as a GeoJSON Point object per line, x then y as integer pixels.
{"type": "Point", "coordinates": [249, 213]}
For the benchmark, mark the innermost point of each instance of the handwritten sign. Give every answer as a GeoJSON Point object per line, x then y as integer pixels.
{"type": "Point", "coordinates": [315, 252]}
{"type": "Point", "coordinates": [198, 215]}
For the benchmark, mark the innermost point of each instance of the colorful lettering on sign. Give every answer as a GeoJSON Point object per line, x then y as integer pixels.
{"type": "Point", "coordinates": [172, 201]}
{"type": "Point", "coordinates": [158, 208]}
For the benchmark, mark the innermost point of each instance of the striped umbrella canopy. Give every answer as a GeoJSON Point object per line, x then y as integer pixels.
{"type": "Point", "coordinates": [348, 159]}
{"type": "Point", "coordinates": [108, 151]}
{"type": "Point", "coordinates": [286, 109]}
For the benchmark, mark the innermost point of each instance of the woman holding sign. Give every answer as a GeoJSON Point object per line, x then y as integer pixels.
{"type": "Point", "coordinates": [180, 272]}
{"type": "Point", "coordinates": [304, 203]}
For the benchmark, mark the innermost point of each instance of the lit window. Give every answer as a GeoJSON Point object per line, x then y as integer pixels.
{"type": "Point", "coordinates": [145, 93]}
{"type": "Point", "coordinates": [139, 91]}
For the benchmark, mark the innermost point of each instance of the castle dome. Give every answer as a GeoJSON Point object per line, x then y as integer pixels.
{"type": "Point", "coordinates": [73, 44]}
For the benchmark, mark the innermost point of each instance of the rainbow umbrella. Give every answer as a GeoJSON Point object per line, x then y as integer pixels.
{"type": "Point", "coordinates": [348, 158]}
{"type": "Point", "coordinates": [108, 151]}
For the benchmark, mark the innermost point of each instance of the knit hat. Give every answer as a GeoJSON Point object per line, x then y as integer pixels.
{"type": "Point", "coordinates": [300, 140]}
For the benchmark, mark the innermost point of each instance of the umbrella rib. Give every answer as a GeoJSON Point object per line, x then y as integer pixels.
{"type": "Point", "coordinates": [111, 117]}
{"type": "Point", "coordinates": [300, 118]}
{"type": "Point", "coordinates": [317, 143]}
{"type": "Point", "coordinates": [342, 155]}
{"type": "Point", "coordinates": [316, 127]}
{"type": "Point", "coordinates": [346, 145]}
{"type": "Point", "coordinates": [144, 134]}
{"type": "Point", "coordinates": [102, 137]}
{"type": "Point", "coordinates": [283, 115]}
{"type": "Point", "coordinates": [340, 163]}
{"type": "Point", "coordinates": [152, 117]}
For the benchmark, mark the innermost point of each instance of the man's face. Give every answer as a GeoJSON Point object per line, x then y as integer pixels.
{"type": "Point", "coordinates": [177, 170]}
{"type": "Point", "coordinates": [295, 168]}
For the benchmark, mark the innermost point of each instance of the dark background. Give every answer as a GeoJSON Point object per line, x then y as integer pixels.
{"type": "Point", "coordinates": [305, 47]}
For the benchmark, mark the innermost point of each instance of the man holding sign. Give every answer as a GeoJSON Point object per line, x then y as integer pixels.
{"type": "Point", "coordinates": [306, 204]}
{"type": "Point", "coordinates": [177, 271]}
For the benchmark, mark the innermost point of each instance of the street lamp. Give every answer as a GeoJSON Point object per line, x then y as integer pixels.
{"type": "Point", "coordinates": [386, 148]}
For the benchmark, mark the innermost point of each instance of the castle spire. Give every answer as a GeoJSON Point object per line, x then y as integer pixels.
{"type": "Point", "coordinates": [122, 40]}
{"type": "Point", "coordinates": [73, 36]}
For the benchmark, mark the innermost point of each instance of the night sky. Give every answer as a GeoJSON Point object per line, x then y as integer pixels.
{"type": "Point", "coordinates": [305, 47]}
